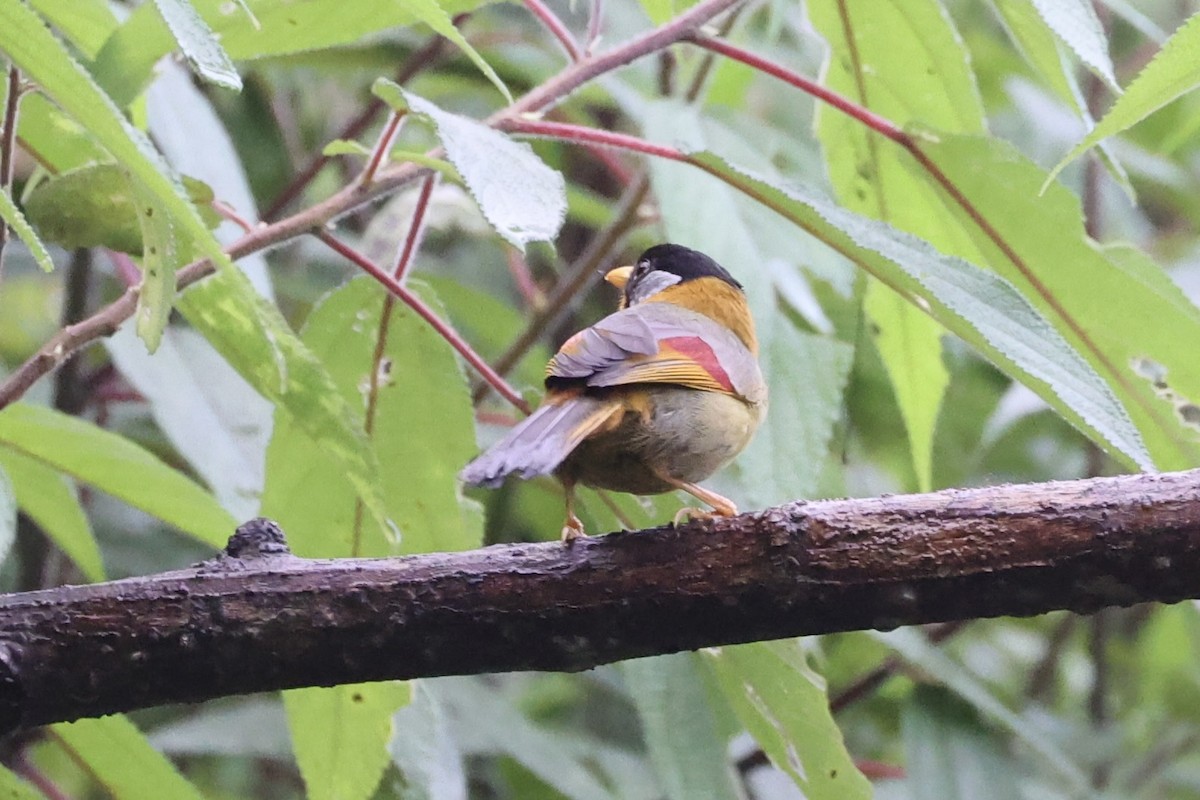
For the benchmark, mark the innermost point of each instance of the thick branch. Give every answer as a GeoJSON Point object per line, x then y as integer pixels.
{"type": "Point", "coordinates": [257, 618]}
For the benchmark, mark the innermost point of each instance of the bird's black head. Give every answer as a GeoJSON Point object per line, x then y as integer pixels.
{"type": "Point", "coordinates": [666, 265]}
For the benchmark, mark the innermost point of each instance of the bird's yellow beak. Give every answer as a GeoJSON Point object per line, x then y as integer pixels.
{"type": "Point", "coordinates": [619, 277]}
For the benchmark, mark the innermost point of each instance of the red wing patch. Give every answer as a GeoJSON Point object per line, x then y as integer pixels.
{"type": "Point", "coordinates": [695, 349]}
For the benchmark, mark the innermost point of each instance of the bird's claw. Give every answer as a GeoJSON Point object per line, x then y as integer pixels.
{"type": "Point", "coordinates": [573, 529]}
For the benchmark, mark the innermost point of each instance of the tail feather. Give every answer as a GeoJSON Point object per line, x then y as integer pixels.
{"type": "Point", "coordinates": [539, 443]}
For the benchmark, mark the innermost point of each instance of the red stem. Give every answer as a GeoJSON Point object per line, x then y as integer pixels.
{"type": "Point", "coordinates": [416, 229]}
{"type": "Point", "coordinates": [426, 313]}
{"type": "Point", "coordinates": [580, 134]}
{"type": "Point", "coordinates": [556, 27]}
{"type": "Point", "coordinates": [382, 146]}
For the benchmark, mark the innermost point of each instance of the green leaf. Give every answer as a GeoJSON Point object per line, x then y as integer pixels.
{"type": "Point", "coordinates": [33, 48]}
{"type": "Point", "coordinates": [50, 501]}
{"type": "Point", "coordinates": [118, 756]}
{"type": "Point", "coordinates": [86, 23]}
{"type": "Point", "coordinates": [257, 342]}
{"type": "Point", "coordinates": [910, 344]}
{"type": "Point", "coordinates": [114, 465]}
{"type": "Point", "coordinates": [522, 198]}
{"type": "Point", "coordinates": [918, 651]}
{"type": "Point", "coordinates": [1039, 45]}
{"type": "Point", "coordinates": [13, 788]}
{"type": "Point", "coordinates": [160, 256]}
{"type": "Point", "coordinates": [92, 206]}
{"type": "Point", "coordinates": [1174, 70]}
{"type": "Point", "coordinates": [950, 753]}
{"type": "Point", "coordinates": [906, 62]}
{"type": "Point", "coordinates": [1080, 288]}
{"type": "Point", "coordinates": [420, 439]}
{"type": "Point", "coordinates": [782, 702]}
{"type": "Point", "coordinates": [680, 727]}
{"type": "Point", "coordinates": [1076, 24]}
{"type": "Point", "coordinates": [982, 308]}
{"type": "Point", "coordinates": [340, 736]}
{"type": "Point", "coordinates": [199, 45]}
{"type": "Point", "coordinates": [11, 215]}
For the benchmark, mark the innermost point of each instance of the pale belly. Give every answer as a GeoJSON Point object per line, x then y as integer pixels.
{"type": "Point", "coordinates": [688, 435]}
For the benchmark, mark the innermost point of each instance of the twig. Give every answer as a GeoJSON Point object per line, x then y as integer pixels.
{"type": "Point", "coordinates": [869, 683]}
{"type": "Point", "coordinates": [555, 25]}
{"type": "Point", "coordinates": [595, 24]}
{"type": "Point", "coordinates": [523, 279]}
{"type": "Point", "coordinates": [416, 229]}
{"type": "Point", "coordinates": [70, 395]}
{"type": "Point", "coordinates": [426, 313]}
{"type": "Point", "coordinates": [382, 147]}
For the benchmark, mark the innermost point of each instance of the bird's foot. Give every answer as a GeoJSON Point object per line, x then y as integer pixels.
{"type": "Point", "coordinates": [726, 509]}
{"type": "Point", "coordinates": [573, 529]}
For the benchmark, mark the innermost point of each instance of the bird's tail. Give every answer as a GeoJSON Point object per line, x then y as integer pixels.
{"type": "Point", "coordinates": [540, 442]}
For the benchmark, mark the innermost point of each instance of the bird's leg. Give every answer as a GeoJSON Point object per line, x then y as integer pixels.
{"type": "Point", "coordinates": [721, 506]}
{"type": "Point", "coordinates": [573, 527]}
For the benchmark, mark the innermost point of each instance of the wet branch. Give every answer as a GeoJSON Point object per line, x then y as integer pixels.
{"type": "Point", "coordinates": [258, 618]}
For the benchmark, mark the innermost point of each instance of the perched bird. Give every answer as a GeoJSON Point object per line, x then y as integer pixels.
{"type": "Point", "coordinates": [654, 397]}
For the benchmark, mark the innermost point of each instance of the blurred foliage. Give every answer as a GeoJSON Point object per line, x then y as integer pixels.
{"type": "Point", "coordinates": [946, 360]}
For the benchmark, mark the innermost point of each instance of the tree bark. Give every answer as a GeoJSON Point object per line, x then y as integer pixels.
{"type": "Point", "coordinates": [257, 618]}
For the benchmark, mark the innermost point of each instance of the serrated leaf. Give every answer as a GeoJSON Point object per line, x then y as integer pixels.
{"type": "Point", "coordinates": [982, 308]}
{"type": "Point", "coordinates": [906, 62]}
{"type": "Point", "coordinates": [12, 215]}
{"type": "Point", "coordinates": [918, 651]}
{"type": "Point", "coordinates": [119, 758]}
{"type": "Point", "coordinates": [50, 501]}
{"type": "Point", "coordinates": [1076, 24]}
{"type": "Point", "coordinates": [782, 702]}
{"type": "Point", "coordinates": [950, 754]}
{"type": "Point", "coordinates": [680, 728]}
{"type": "Point", "coordinates": [160, 258]}
{"type": "Point", "coordinates": [114, 465]}
{"type": "Point", "coordinates": [198, 43]}
{"type": "Point", "coordinates": [340, 736]}
{"type": "Point", "coordinates": [34, 49]}
{"type": "Point", "coordinates": [1173, 71]}
{"type": "Point", "coordinates": [1039, 45]}
{"type": "Point", "coordinates": [522, 198]}
{"type": "Point", "coordinates": [257, 342]}
{"type": "Point", "coordinates": [1077, 286]}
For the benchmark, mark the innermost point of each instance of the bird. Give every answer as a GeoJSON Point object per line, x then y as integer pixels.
{"type": "Point", "coordinates": [655, 397]}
